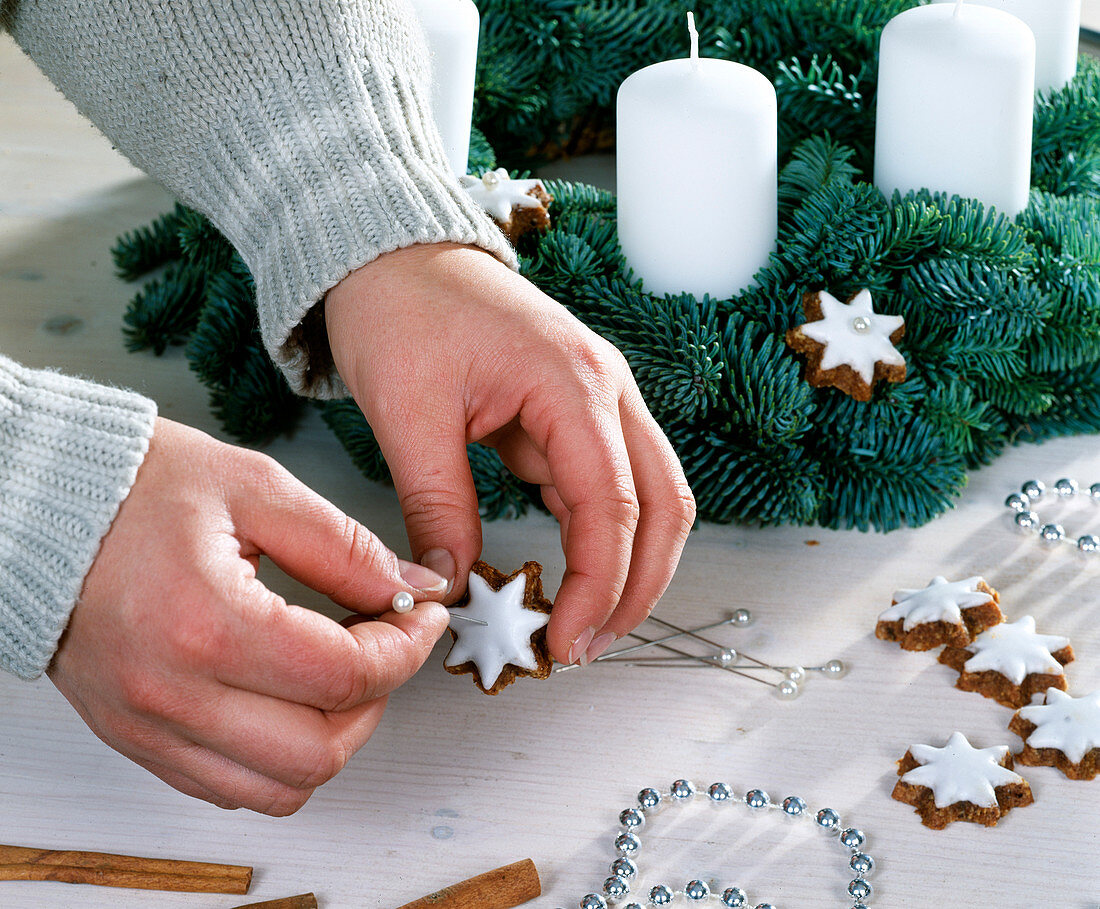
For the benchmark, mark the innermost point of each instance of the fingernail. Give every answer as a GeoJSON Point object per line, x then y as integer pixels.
{"type": "Point", "coordinates": [442, 565]}
{"type": "Point", "coordinates": [579, 647]}
{"type": "Point", "coordinates": [421, 577]}
{"type": "Point", "coordinates": [599, 645]}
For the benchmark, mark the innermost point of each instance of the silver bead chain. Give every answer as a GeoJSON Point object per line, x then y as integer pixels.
{"type": "Point", "coordinates": [1027, 518]}
{"type": "Point", "coordinates": [617, 890]}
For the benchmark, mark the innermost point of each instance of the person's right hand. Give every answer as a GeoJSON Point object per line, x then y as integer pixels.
{"type": "Point", "coordinates": [181, 659]}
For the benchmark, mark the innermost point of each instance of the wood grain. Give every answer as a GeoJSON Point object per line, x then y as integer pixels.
{"type": "Point", "coordinates": [453, 779]}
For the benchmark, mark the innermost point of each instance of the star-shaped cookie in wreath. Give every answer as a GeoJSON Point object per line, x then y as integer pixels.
{"type": "Point", "coordinates": [848, 346]}
{"type": "Point", "coordinates": [507, 638]}
{"type": "Point", "coordinates": [518, 206]}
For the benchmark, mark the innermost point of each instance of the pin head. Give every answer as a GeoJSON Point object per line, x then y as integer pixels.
{"type": "Point", "coordinates": [403, 602]}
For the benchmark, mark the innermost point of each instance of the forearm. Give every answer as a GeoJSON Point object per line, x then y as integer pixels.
{"type": "Point", "coordinates": [69, 452]}
{"type": "Point", "coordinates": [301, 129]}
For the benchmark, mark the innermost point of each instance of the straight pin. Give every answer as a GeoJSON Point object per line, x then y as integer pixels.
{"type": "Point", "coordinates": [697, 637]}
{"type": "Point", "coordinates": [466, 618]}
{"type": "Point", "coordinates": [732, 620]}
{"type": "Point", "coordinates": [686, 664]}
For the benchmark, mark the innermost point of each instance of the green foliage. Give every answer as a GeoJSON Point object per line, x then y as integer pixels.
{"type": "Point", "coordinates": [138, 252]}
{"type": "Point", "coordinates": [549, 69]}
{"type": "Point", "coordinates": [499, 493]}
{"type": "Point", "coordinates": [482, 156]}
{"type": "Point", "coordinates": [1002, 317]}
{"type": "Point", "coordinates": [164, 312]}
{"type": "Point", "coordinates": [349, 425]}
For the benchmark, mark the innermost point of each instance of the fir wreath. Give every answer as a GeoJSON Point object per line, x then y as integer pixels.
{"type": "Point", "coordinates": [1002, 316]}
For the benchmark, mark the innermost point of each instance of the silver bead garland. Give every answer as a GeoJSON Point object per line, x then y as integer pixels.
{"type": "Point", "coordinates": [617, 890]}
{"type": "Point", "coordinates": [1027, 518]}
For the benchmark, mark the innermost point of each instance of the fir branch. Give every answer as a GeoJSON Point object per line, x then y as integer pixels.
{"type": "Point", "coordinates": [500, 494]}
{"type": "Point", "coordinates": [890, 477]}
{"type": "Point", "coordinates": [960, 418]}
{"type": "Point", "coordinates": [482, 157]}
{"type": "Point", "coordinates": [735, 482]}
{"type": "Point", "coordinates": [1070, 338]}
{"type": "Point", "coordinates": [164, 312]}
{"type": "Point", "coordinates": [819, 97]}
{"type": "Point", "coordinates": [227, 332]}
{"type": "Point", "coordinates": [767, 398]}
{"type": "Point", "coordinates": [672, 345]}
{"type": "Point", "coordinates": [348, 424]}
{"type": "Point", "coordinates": [258, 404]}
{"type": "Point", "coordinates": [829, 234]}
{"type": "Point", "coordinates": [1069, 118]}
{"type": "Point", "coordinates": [201, 243]}
{"type": "Point", "coordinates": [139, 251]}
{"type": "Point", "coordinates": [947, 297]}
{"type": "Point", "coordinates": [1075, 409]}
{"type": "Point", "coordinates": [580, 197]}
{"type": "Point", "coordinates": [814, 164]}
{"type": "Point", "coordinates": [1027, 395]}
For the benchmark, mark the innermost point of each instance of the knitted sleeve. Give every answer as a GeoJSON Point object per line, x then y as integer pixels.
{"type": "Point", "coordinates": [301, 129]}
{"type": "Point", "coordinates": [69, 453]}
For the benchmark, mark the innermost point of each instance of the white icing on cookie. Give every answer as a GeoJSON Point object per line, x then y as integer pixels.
{"type": "Point", "coordinates": [506, 636]}
{"type": "Point", "coordinates": [1015, 651]}
{"type": "Point", "coordinates": [1072, 725]}
{"type": "Point", "coordinates": [940, 601]}
{"type": "Point", "coordinates": [498, 193]}
{"type": "Point", "coordinates": [959, 772]}
{"type": "Point", "coordinates": [854, 335]}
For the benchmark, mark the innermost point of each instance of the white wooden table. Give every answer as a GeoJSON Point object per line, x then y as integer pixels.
{"type": "Point", "coordinates": [456, 783]}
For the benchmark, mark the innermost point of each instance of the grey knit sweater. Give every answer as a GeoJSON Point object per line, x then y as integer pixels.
{"type": "Point", "coordinates": [302, 130]}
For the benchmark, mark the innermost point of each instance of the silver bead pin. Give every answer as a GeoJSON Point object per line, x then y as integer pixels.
{"type": "Point", "coordinates": [738, 618]}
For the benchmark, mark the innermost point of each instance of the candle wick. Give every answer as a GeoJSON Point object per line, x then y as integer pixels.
{"type": "Point", "coordinates": [958, 7]}
{"type": "Point", "coordinates": [694, 33]}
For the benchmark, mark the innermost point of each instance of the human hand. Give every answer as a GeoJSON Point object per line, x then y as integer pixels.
{"type": "Point", "coordinates": [180, 658]}
{"type": "Point", "coordinates": [442, 345]}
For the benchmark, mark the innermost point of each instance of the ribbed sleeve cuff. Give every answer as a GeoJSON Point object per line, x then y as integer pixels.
{"type": "Point", "coordinates": [69, 453]}
{"type": "Point", "coordinates": [316, 217]}
{"type": "Point", "coordinates": [303, 130]}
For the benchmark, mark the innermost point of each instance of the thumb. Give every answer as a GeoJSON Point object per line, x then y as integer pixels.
{"type": "Point", "coordinates": [314, 542]}
{"type": "Point", "coordinates": [392, 649]}
{"type": "Point", "coordinates": [431, 473]}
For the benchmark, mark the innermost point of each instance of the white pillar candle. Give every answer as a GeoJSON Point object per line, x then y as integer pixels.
{"type": "Point", "coordinates": [452, 28]}
{"type": "Point", "coordinates": [1057, 28]}
{"type": "Point", "coordinates": [697, 174]}
{"type": "Point", "coordinates": [956, 104]}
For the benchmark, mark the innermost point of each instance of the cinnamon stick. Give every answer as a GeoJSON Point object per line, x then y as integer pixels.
{"type": "Point", "coordinates": [19, 863]}
{"type": "Point", "coordinates": [501, 888]}
{"type": "Point", "coordinates": [302, 901]}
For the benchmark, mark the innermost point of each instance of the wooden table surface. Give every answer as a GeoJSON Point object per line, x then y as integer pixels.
{"type": "Point", "coordinates": [455, 783]}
